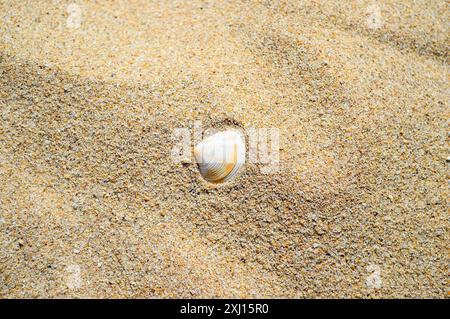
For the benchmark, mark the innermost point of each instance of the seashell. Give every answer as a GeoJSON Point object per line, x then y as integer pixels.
{"type": "Point", "coordinates": [220, 156]}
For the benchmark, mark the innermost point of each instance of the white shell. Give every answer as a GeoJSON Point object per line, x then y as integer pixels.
{"type": "Point", "coordinates": [220, 156]}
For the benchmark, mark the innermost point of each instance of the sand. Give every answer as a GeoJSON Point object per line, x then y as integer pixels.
{"type": "Point", "coordinates": [93, 206]}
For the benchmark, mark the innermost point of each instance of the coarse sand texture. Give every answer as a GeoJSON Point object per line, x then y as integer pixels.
{"type": "Point", "coordinates": [93, 205]}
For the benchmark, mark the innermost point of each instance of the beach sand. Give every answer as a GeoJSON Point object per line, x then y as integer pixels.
{"type": "Point", "coordinates": [92, 204]}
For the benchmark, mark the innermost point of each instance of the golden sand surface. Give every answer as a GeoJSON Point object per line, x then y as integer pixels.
{"type": "Point", "coordinates": [91, 204]}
